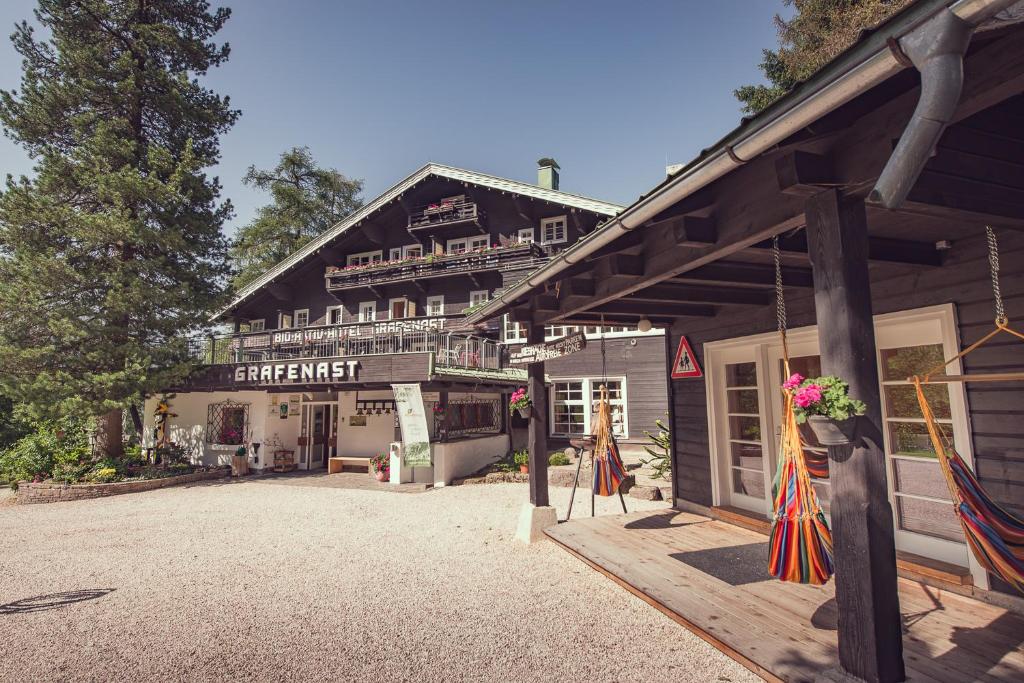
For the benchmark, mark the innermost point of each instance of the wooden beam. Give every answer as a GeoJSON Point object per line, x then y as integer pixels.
{"type": "Point", "coordinates": [696, 294]}
{"type": "Point", "coordinates": [965, 199]}
{"type": "Point", "coordinates": [803, 174]}
{"type": "Point", "coordinates": [867, 600]}
{"type": "Point", "coordinates": [537, 437]}
{"type": "Point", "coordinates": [664, 309]}
{"type": "Point", "coordinates": [736, 273]}
{"type": "Point", "coordinates": [880, 249]}
{"type": "Point", "coordinates": [699, 202]}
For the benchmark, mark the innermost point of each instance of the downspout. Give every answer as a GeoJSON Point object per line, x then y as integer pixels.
{"type": "Point", "coordinates": [937, 50]}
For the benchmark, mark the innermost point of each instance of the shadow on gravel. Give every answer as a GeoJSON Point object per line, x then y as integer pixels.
{"type": "Point", "coordinates": [42, 603]}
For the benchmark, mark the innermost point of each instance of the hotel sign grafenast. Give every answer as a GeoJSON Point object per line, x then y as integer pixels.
{"type": "Point", "coordinates": [311, 372]}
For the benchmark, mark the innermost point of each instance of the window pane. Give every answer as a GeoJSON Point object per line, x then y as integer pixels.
{"type": "Point", "coordinates": [746, 428]}
{"type": "Point", "coordinates": [741, 375]}
{"type": "Point", "coordinates": [910, 438]}
{"type": "Point", "coordinates": [808, 366]}
{"type": "Point", "coordinates": [748, 483]}
{"type": "Point", "coordinates": [930, 518]}
{"type": "Point", "coordinates": [901, 400]}
{"type": "Point", "coordinates": [743, 401]}
{"type": "Point", "coordinates": [920, 477]}
{"type": "Point", "coordinates": [746, 455]}
{"type": "Point", "coordinates": [899, 364]}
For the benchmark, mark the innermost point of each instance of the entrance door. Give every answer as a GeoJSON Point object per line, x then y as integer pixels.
{"type": "Point", "coordinates": [744, 465]}
{"type": "Point", "coordinates": [319, 435]}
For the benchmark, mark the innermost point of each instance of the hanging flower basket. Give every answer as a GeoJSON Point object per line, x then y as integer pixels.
{"type": "Point", "coordinates": [520, 403]}
{"type": "Point", "coordinates": [825, 405]}
{"type": "Point", "coordinates": [831, 432]}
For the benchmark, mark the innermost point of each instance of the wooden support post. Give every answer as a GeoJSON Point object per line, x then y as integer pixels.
{"type": "Point", "coordinates": [538, 433]}
{"type": "Point", "coordinates": [869, 627]}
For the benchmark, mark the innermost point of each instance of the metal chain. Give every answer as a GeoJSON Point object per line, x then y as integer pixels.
{"type": "Point", "coordinates": [780, 300]}
{"type": "Point", "coordinates": [993, 264]}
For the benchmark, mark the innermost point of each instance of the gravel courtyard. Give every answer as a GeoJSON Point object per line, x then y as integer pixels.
{"type": "Point", "coordinates": [256, 580]}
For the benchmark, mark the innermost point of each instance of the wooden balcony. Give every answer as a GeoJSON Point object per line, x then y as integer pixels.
{"type": "Point", "coordinates": [446, 213]}
{"type": "Point", "coordinates": [520, 256]}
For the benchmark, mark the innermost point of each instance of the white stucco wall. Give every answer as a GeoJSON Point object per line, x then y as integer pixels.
{"type": "Point", "coordinates": [464, 457]}
{"type": "Point", "coordinates": [369, 440]}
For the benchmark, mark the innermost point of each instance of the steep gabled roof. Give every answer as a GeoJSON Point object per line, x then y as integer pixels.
{"type": "Point", "coordinates": [397, 190]}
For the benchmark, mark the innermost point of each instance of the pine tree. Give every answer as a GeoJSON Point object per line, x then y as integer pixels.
{"type": "Point", "coordinates": [306, 200]}
{"type": "Point", "coordinates": [816, 34]}
{"type": "Point", "coordinates": [113, 250]}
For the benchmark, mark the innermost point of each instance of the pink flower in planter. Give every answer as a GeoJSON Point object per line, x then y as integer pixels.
{"type": "Point", "coordinates": [794, 381]}
{"type": "Point", "coordinates": [805, 396]}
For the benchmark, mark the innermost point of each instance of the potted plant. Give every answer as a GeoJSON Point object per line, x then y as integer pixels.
{"type": "Point", "coordinates": [380, 465]}
{"type": "Point", "coordinates": [239, 462]}
{"type": "Point", "coordinates": [520, 402]}
{"type": "Point", "coordinates": [824, 403]}
{"type": "Point", "coordinates": [522, 458]}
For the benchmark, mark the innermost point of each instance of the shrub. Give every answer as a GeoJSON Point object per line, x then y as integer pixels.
{"type": "Point", "coordinates": [52, 446]}
{"type": "Point", "coordinates": [172, 454]}
{"type": "Point", "coordinates": [558, 458]}
{"type": "Point", "coordinates": [103, 475]}
{"type": "Point", "coordinates": [521, 457]}
{"type": "Point", "coordinates": [660, 450]}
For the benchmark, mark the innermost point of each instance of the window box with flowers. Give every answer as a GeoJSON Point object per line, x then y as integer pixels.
{"type": "Point", "coordinates": [520, 403]}
{"type": "Point", "coordinates": [824, 404]}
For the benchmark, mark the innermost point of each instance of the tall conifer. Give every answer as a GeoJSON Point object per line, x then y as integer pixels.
{"type": "Point", "coordinates": [113, 250]}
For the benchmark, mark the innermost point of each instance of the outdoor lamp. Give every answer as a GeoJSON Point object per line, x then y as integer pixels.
{"type": "Point", "coordinates": [644, 325]}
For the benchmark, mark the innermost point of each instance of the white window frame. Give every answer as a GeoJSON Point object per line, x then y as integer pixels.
{"type": "Point", "coordinates": [590, 385]}
{"type": "Point", "coordinates": [524, 235]}
{"type": "Point", "coordinates": [412, 247]}
{"type": "Point", "coordinates": [254, 327]}
{"type": "Point", "coordinates": [506, 325]}
{"type": "Point", "coordinates": [363, 305]}
{"type": "Point", "coordinates": [332, 309]}
{"type": "Point", "coordinates": [438, 300]}
{"type": "Point", "coordinates": [903, 325]}
{"type": "Point", "coordinates": [281, 317]}
{"type": "Point", "coordinates": [479, 296]}
{"type": "Point", "coordinates": [295, 317]}
{"type": "Point", "coordinates": [365, 257]}
{"type": "Point", "coordinates": [394, 253]}
{"type": "Point", "coordinates": [545, 222]}
{"type": "Point", "coordinates": [467, 243]}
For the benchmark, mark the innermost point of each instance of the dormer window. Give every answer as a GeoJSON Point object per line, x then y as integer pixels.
{"type": "Point", "coordinates": [301, 317]}
{"type": "Point", "coordinates": [553, 230]}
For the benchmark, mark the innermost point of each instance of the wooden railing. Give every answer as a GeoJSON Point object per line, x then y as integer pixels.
{"type": "Point", "coordinates": [334, 341]}
{"type": "Point", "coordinates": [519, 256]}
{"type": "Point", "coordinates": [452, 210]}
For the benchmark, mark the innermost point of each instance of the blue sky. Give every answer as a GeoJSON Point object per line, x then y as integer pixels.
{"type": "Point", "coordinates": [378, 88]}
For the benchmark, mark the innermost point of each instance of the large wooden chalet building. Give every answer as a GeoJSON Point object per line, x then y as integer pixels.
{"type": "Point", "coordinates": [318, 340]}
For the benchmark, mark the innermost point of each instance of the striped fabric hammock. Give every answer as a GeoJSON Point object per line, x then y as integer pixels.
{"type": "Point", "coordinates": [801, 542]}
{"type": "Point", "coordinates": [995, 536]}
{"type": "Point", "coordinates": [608, 468]}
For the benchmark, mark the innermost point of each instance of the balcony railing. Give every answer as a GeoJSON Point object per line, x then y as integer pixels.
{"type": "Point", "coordinates": [450, 350]}
{"type": "Point", "coordinates": [518, 256]}
{"type": "Point", "coordinates": [445, 212]}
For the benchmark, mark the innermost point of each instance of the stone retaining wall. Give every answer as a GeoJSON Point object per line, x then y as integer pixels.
{"type": "Point", "coordinates": [49, 492]}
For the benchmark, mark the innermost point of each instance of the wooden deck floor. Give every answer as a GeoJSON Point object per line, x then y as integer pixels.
{"type": "Point", "coordinates": [711, 577]}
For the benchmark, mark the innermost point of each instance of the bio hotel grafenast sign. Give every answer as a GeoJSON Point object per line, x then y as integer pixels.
{"type": "Point", "coordinates": [280, 373]}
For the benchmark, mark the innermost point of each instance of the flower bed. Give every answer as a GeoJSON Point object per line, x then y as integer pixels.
{"type": "Point", "coordinates": [52, 492]}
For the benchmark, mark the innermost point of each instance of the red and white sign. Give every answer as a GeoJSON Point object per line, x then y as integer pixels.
{"type": "Point", "coordinates": [685, 365]}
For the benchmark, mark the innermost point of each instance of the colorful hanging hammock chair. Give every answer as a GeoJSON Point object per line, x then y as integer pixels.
{"type": "Point", "coordinates": [801, 541]}
{"type": "Point", "coordinates": [995, 536]}
{"type": "Point", "coordinates": [608, 468]}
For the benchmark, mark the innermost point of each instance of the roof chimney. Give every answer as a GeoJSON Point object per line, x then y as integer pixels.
{"type": "Point", "coordinates": [547, 173]}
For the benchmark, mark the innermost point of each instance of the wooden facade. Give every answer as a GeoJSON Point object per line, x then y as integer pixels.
{"type": "Point", "coordinates": [882, 287]}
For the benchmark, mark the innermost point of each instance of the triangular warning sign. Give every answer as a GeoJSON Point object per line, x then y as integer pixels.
{"type": "Point", "coordinates": [685, 364]}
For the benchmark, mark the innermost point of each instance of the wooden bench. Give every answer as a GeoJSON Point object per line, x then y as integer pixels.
{"type": "Point", "coordinates": [335, 465]}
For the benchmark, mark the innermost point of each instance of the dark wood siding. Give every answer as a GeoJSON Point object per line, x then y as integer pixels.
{"type": "Point", "coordinates": [995, 409]}
{"type": "Point", "coordinates": [641, 360]}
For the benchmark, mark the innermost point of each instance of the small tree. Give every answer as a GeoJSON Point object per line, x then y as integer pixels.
{"type": "Point", "coordinates": [114, 249]}
{"type": "Point", "coordinates": [306, 201]}
{"type": "Point", "coordinates": [819, 31]}
{"type": "Point", "coordinates": [660, 450]}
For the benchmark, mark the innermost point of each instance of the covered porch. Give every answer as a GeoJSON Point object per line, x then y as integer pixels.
{"type": "Point", "coordinates": [710, 576]}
